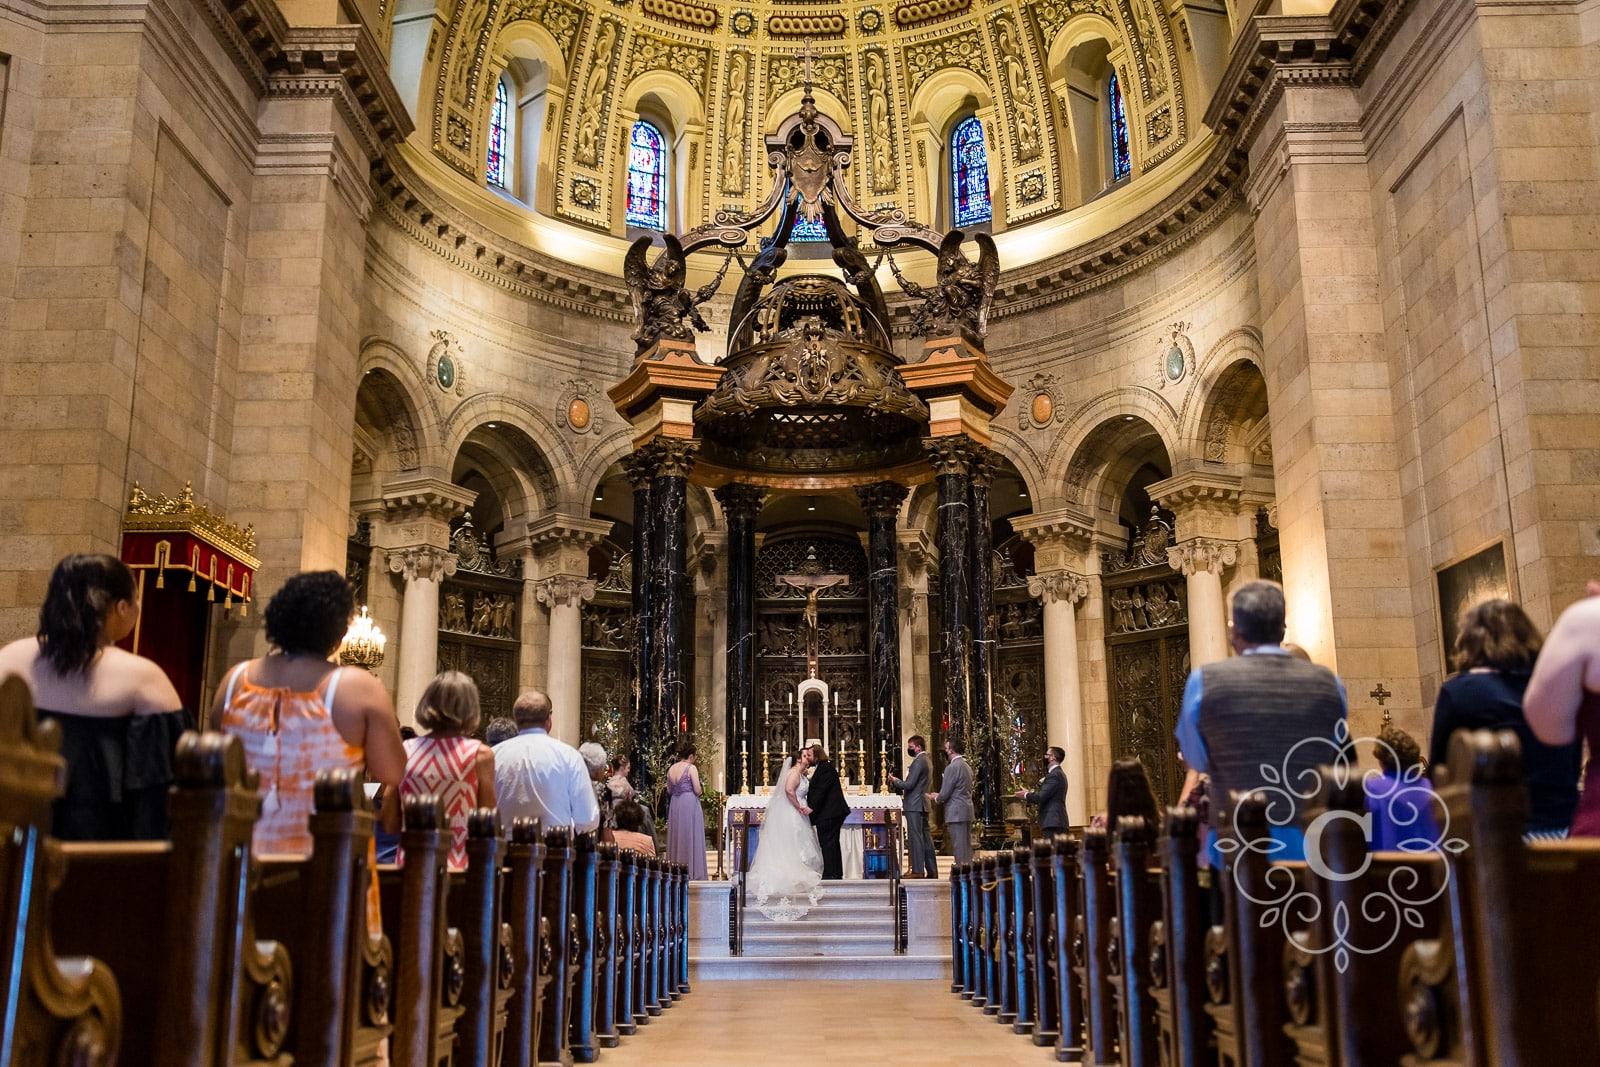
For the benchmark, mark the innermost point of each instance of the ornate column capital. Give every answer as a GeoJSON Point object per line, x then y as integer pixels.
{"type": "Point", "coordinates": [1200, 555]}
{"type": "Point", "coordinates": [1053, 586]}
{"type": "Point", "coordinates": [950, 455]}
{"type": "Point", "coordinates": [640, 467]}
{"type": "Point", "coordinates": [670, 456]}
{"type": "Point", "coordinates": [431, 498]}
{"type": "Point", "coordinates": [1060, 538]}
{"type": "Point", "coordinates": [563, 590]}
{"type": "Point", "coordinates": [916, 551]}
{"type": "Point", "coordinates": [739, 500]}
{"type": "Point", "coordinates": [422, 561]}
{"type": "Point", "coordinates": [1206, 503]}
{"type": "Point", "coordinates": [882, 500]}
{"type": "Point", "coordinates": [986, 463]}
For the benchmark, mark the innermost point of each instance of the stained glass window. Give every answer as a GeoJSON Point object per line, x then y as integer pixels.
{"type": "Point", "coordinates": [647, 177]}
{"type": "Point", "coordinates": [969, 173]}
{"type": "Point", "coordinates": [808, 231]}
{"type": "Point", "coordinates": [1121, 161]}
{"type": "Point", "coordinates": [499, 134]}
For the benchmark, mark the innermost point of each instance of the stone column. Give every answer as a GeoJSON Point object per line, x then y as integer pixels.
{"type": "Point", "coordinates": [981, 559]}
{"type": "Point", "coordinates": [916, 679]}
{"type": "Point", "coordinates": [669, 500]}
{"type": "Point", "coordinates": [565, 596]}
{"type": "Point", "coordinates": [415, 534]}
{"type": "Point", "coordinates": [882, 504]}
{"type": "Point", "coordinates": [561, 546]}
{"type": "Point", "coordinates": [641, 471]}
{"type": "Point", "coordinates": [1060, 591]}
{"type": "Point", "coordinates": [1201, 561]}
{"type": "Point", "coordinates": [740, 506]}
{"type": "Point", "coordinates": [951, 459]}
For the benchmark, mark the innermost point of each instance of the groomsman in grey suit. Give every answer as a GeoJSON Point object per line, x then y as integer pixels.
{"type": "Point", "coordinates": [956, 796]}
{"type": "Point", "coordinates": [915, 786]}
{"type": "Point", "coordinates": [1051, 796]}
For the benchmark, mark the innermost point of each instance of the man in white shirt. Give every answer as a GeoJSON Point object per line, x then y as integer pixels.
{"type": "Point", "coordinates": [539, 777]}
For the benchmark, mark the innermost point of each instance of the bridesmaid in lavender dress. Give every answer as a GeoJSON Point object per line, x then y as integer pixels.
{"type": "Point", "coordinates": [686, 822]}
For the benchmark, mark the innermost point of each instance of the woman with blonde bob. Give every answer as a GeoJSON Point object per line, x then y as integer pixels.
{"type": "Point", "coordinates": [447, 761]}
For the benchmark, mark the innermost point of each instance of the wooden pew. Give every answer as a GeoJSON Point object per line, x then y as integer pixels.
{"type": "Point", "coordinates": [530, 943]}
{"type": "Point", "coordinates": [658, 914]}
{"type": "Point", "coordinates": [474, 906]}
{"type": "Point", "coordinates": [988, 995]}
{"type": "Point", "coordinates": [201, 990]}
{"type": "Point", "coordinates": [1178, 949]}
{"type": "Point", "coordinates": [1250, 1021]}
{"type": "Point", "coordinates": [680, 925]}
{"type": "Point", "coordinates": [585, 874]}
{"type": "Point", "coordinates": [1042, 951]}
{"type": "Point", "coordinates": [316, 907]}
{"type": "Point", "coordinates": [430, 964]}
{"type": "Point", "coordinates": [628, 1005]}
{"type": "Point", "coordinates": [1097, 905]}
{"type": "Point", "coordinates": [1066, 878]}
{"type": "Point", "coordinates": [958, 930]}
{"type": "Point", "coordinates": [971, 876]}
{"type": "Point", "coordinates": [56, 1010]}
{"type": "Point", "coordinates": [1021, 952]}
{"type": "Point", "coordinates": [1138, 889]}
{"type": "Point", "coordinates": [1002, 945]}
{"type": "Point", "coordinates": [607, 938]}
{"type": "Point", "coordinates": [555, 1020]}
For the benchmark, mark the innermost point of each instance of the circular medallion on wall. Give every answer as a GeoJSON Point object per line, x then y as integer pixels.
{"type": "Point", "coordinates": [578, 413]}
{"type": "Point", "coordinates": [444, 361]}
{"type": "Point", "coordinates": [445, 370]}
{"type": "Point", "coordinates": [1175, 363]}
{"type": "Point", "coordinates": [1175, 354]}
{"type": "Point", "coordinates": [1043, 408]}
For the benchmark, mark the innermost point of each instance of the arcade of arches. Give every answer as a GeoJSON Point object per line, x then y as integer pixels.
{"type": "Point", "coordinates": [1300, 290]}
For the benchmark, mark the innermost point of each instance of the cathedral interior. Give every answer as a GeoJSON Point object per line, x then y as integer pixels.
{"type": "Point", "coordinates": [584, 335]}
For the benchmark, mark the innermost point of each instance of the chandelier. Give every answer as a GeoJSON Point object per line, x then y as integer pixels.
{"type": "Point", "coordinates": [363, 643]}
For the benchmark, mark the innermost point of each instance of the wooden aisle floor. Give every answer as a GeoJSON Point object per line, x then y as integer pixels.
{"type": "Point", "coordinates": [824, 1024]}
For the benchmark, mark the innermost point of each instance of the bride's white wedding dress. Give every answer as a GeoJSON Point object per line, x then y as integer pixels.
{"type": "Point", "coordinates": [786, 875]}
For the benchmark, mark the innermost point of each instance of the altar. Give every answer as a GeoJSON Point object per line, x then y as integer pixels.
{"type": "Point", "coordinates": [869, 842]}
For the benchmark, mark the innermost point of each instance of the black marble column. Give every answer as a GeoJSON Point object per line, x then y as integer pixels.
{"type": "Point", "coordinates": [951, 458]}
{"type": "Point", "coordinates": [882, 504]}
{"type": "Point", "coordinates": [986, 763]}
{"type": "Point", "coordinates": [740, 506]}
{"type": "Point", "coordinates": [670, 598]}
{"type": "Point", "coordinates": [641, 471]}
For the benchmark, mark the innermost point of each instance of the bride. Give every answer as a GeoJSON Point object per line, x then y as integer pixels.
{"type": "Point", "coordinates": [786, 875]}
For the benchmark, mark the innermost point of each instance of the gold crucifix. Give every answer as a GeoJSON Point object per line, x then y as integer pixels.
{"type": "Point", "coordinates": [1381, 695]}
{"type": "Point", "coordinates": [812, 582]}
{"type": "Point", "coordinates": [806, 55]}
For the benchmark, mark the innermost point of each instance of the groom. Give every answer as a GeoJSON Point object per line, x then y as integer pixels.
{"type": "Point", "coordinates": [829, 810]}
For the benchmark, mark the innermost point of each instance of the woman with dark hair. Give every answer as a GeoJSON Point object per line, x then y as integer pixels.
{"type": "Point", "coordinates": [686, 820]}
{"type": "Point", "coordinates": [1128, 792]}
{"type": "Point", "coordinates": [633, 828]}
{"type": "Point", "coordinates": [1496, 647]}
{"type": "Point", "coordinates": [119, 716]}
{"type": "Point", "coordinates": [298, 713]}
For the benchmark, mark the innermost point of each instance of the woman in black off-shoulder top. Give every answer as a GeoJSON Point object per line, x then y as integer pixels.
{"type": "Point", "coordinates": [119, 716]}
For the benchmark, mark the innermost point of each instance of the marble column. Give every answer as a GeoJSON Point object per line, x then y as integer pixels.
{"type": "Point", "coordinates": [1060, 591]}
{"type": "Point", "coordinates": [740, 506]}
{"type": "Point", "coordinates": [423, 567]}
{"type": "Point", "coordinates": [670, 594]}
{"type": "Point", "coordinates": [951, 458]}
{"type": "Point", "coordinates": [882, 504]}
{"type": "Point", "coordinates": [565, 595]}
{"type": "Point", "coordinates": [1201, 561]}
{"type": "Point", "coordinates": [981, 560]}
{"type": "Point", "coordinates": [641, 471]}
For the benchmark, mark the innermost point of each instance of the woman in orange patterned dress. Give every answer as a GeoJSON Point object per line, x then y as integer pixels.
{"type": "Point", "coordinates": [447, 761]}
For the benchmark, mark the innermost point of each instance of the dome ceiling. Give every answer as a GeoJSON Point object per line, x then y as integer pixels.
{"type": "Point", "coordinates": [895, 76]}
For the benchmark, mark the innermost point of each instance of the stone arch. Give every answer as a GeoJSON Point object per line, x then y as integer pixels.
{"type": "Point", "coordinates": [536, 65]}
{"type": "Point", "coordinates": [592, 468]}
{"type": "Point", "coordinates": [499, 455]}
{"type": "Point", "coordinates": [787, 103]}
{"type": "Point", "coordinates": [1010, 444]}
{"type": "Point", "coordinates": [1228, 406]}
{"type": "Point", "coordinates": [397, 421]}
{"type": "Point", "coordinates": [529, 438]}
{"type": "Point", "coordinates": [1079, 68]}
{"type": "Point", "coordinates": [1108, 457]}
{"type": "Point", "coordinates": [1136, 403]}
{"type": "Point", "coordinates": [664, 99]}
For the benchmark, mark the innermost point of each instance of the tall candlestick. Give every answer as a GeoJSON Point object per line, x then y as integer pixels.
{"type": "Point", "coordinates": [858, 708]}
{"type": "Point", "coordinates": [763, 746]}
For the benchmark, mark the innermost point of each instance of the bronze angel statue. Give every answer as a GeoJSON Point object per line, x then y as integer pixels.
{"type": "Point", "coordinates": [959, 299]}
{"type": "Point", "coordinates": [661, 302]}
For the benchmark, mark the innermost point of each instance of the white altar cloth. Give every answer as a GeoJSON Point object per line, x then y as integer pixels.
{"type": "Point", "coordinates": [851, 849]}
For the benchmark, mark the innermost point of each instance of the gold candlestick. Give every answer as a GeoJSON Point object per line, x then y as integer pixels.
{"type": "Point", "coordinates": [744, 772]}
{"type": "Point", "coordinates": [883, 769]}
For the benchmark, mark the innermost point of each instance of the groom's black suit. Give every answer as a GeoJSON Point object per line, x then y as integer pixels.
{"type": "Point", "coordinates": [829, 810]}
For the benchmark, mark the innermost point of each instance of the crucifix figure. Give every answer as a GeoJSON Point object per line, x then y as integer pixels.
{"type": "Point", "coordinates": [806, 55]}
{"type": "Point", "coordinates": [813, 582]}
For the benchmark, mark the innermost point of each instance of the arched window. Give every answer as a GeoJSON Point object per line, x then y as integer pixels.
{"type": "Point", "coordinates": [499, 170]}
{"type": "Point", "coordinates": [807, 231]}
{"type": "Point", "coordinates": [1121, 161]}
{"type": "Point", "coordinates": [647, 177]}
{"type": "Point", "coordinates": [969, 174]}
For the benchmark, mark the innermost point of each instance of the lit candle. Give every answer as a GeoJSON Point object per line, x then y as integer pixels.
{"type": "Point", "coordinates": [763, 746]}
{"type": "Point", "coordinates": [786, 746]}
{"type": "Point", "coordinates": [719, 783]}
{"type": "Point", "coordinates": [863, 747]}
{"type": "Point", "coordinates": [858, 707]}
{"type": "Point", "coordinates": [880, 717]}
{"type": "Point", "coordinates": [882, 747]}
{"type": "Point", "coordinates": [767, 710]}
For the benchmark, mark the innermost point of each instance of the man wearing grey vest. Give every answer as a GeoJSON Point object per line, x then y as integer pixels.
{"type": "Point", "coordinates": [915, 786]}
{"type": "Point", "coordinates": [955, 793]}
{"type": "Point", "coordinates": [1257, 708]}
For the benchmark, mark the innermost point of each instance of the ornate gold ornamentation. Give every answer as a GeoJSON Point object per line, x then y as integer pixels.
{"type": "Point", "coordinates": [182, 514]}
{"type": "Point", "coordinates": [658, 53]}
{"type": "Point", "coordinates": [734, 130]}
{"type": "Point", "coordinates": [1019, 100]}
{"type": "Point", "coordinates": [882, 142]}
{"type": "Point", "coordinates": [958, 50]}
{"type": "Point", "coordinates": [920, 11]}
{"type": "Point", "coordinates": [696, 15]}
{"type": "Point", "coordinates": [561, 18]}
{"type": "Point", "coordinates": [806, 25]}
{"type": "Point", "coordinates": [591, 118]}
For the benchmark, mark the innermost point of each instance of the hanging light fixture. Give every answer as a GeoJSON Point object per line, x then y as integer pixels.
{"type": "Point", "coordinates": [363, 643]}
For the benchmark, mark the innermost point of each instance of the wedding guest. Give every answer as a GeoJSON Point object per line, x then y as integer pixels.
{"type": "Point", "coordinates": [1563, 697]}
{"type": "Point", "coordinates": [119, 715]}
{"type": "Point", "coordinates": [1496, 646]}
{"type": "Point", "coordinates": [686, 820]}
{"type": "Point", "coordinates": [621, 788]}
{"type": "Point", "coordinates": [539, 777]}
{"type": "Point", "coordinates": [1400, 799]}
{"type": "Point", "coordinates": [633, 828]}
{"type": "Point", "coordinates": [297, 713]}
{"type": "Point", "coordinates": [594, 758]}
{"type": "Point", "coordinates": [447, 762]}
{"type": "Point", "coordinates": [499, 729]}
{"type": "Point", "coordinates": [1128, 792]}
